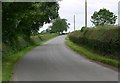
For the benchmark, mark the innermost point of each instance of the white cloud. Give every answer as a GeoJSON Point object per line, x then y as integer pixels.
{"type": "Point", "coordinates": [44, 27]}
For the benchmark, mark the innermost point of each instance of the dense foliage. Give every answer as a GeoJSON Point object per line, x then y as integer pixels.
{"type": "Point", "coordinates": [59, 25]}
{"type": "Point", "coordinates": [103, 17]}
{"type": "Point", "coordinates": [25, 18]}
{"type": "Point", "coordinates": [20, 20]}
{"type": "Point", "coordinates": [102, 40]}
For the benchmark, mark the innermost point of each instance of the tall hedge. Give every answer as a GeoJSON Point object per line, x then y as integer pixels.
{"type": "Point", "coordinates": [101, 39]}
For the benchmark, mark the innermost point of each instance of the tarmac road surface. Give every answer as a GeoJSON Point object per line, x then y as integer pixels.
{"type": "Point", "coordinates": [54, 61]}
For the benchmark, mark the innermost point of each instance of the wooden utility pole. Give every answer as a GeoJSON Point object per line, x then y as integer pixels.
{"type": "Point", "coordinates": [74, 22]}
{"type": "Point", "coordinates": [85, 13]}
{"type": "Point", "coordinates": [119, 13]}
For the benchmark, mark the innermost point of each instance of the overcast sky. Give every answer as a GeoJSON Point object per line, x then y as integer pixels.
{"type": "Point", "coordinates": [69, 8]}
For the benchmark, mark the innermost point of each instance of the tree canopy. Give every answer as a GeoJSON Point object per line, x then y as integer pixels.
{"type": "Point", "coordinates": [59, 25]}
{"type": "Point", "coordinates": [103, 17]}
{"type": "Point", "coordinates": [25, 18]}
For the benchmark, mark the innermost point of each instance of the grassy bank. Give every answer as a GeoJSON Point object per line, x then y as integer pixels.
{"type": "Point", "coordinates": [9, 62]}
{"type": "Point", "coordinates": [91, 55]}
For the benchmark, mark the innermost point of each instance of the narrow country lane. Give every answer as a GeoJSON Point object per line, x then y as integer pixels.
{"type": "Point", "coordinates": [54, 61]}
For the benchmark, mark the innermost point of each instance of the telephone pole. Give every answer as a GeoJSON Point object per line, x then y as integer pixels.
{"type": "Point", "coordinates": [119, 13]}
{"type": "Point", "coordinates": [74, 22]}
{"type": "Point", "coordinates": [85, 13]}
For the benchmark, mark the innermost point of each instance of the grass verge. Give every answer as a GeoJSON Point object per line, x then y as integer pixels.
{"type": "Point", "coordinates": [9, 62]}
{"type": "Point", "coordinates": [93, 56]}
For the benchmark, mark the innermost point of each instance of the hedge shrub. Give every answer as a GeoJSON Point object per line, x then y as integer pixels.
{"type": "Point", "coordinates": [102, 40]}
{"type": "Point", "coordinates": [8, 50]}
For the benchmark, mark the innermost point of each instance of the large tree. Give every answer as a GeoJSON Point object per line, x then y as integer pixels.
{"type": "Point", "coordinates": [103, 17]}
{"type": "Point", "coordinates": [25, 18]}
{"type": "Point", "coordinates": [59, 25]}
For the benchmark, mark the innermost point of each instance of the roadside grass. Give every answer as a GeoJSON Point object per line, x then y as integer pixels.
{"type": "Point", "coordinates": [9, 62]}
{"type": "Point", "coordinates": [91, 55]}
